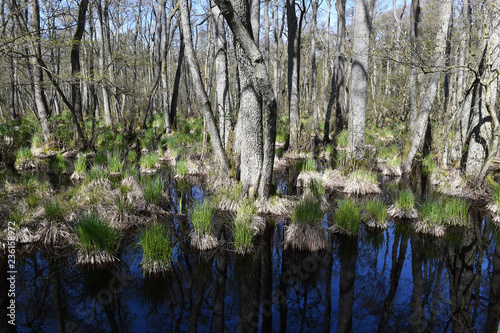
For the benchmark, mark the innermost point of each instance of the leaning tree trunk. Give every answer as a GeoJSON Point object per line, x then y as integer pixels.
{"type": "Point", "coordinates": [422, 120]}
{"type": "Point", "coordinates": [201, 94]}
{"type": "Point", "coordinates": [221, 71]}
{"type": "Point", "coordinates": [359, 79]}
{"type": "Point", "coordinates": [40, 100]}
{"type": "Point", "coordinates": [264, 87]}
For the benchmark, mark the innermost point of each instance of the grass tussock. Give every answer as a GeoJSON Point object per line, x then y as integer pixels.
{"type": "Point", "coordinates": [115, 164]}
{"type": "Point", "coordinates": [153, 189]}
{"type": "Point", "coordinates": [54, 211]}
{"type": "Point", "coordinates": [362, 182]}
{"type": "Point", "coordinates": [97, 172]}
{"type": "Point", "coordinates": [305, 237]}
{"type": "Point", "coordinates": [432, 218]}
{"type": "Point", "coordinates": [347, 217]}
{"type": "Point", "coordinates": [227, 198]}
{"type": "Point", "coordinates": [24, 159]}
{"type": "Point", "coordinates": [157, 249]}
{"type": "Point", "coordinates": [242, 227]}
{"type": "Point", "coordinates": [275, 206]}
{"type": "Point", "coordinates": [81, 164]}
{"type": "Point", "coordinates": [307, 212]}
{"type": "Point", "coordinates": [201, 217]}
{"type": "Point", "coordinates": [456, 212]}
{"type": "Point", "coordinates": [97, 241]}
{"type": "Point", "coordinates": [149, 163]}
{"type": "Point", "coordinates": [404, 206]}
{"type": "Point", "coordinates": [376, 214]}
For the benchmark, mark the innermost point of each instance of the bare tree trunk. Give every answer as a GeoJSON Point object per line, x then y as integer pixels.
{"type": "Point", "coordinates": [263, 85]}
{"type": "Point", "coordinates": [359, 79]}
{"type": "Point", "coordinates": [177, 80]}
{"type": "Point", "coordinates": [314, 90]}
{"type": "Point", "coordinates": [255, 19]}
{"type": "Point", "coordinates": [421, 122]}
{"type": "Point", "coordinates": [221, 71]}
{"type": "Point", "coordinates": [414, 45]}
{"type": "Point", "coordinates": [76, 95]}
{"type": "Point", "coordinates": [40, 100]}
{"type": "Point", "coordinates": [293, 74]}
{"type": "Point", "coordinates": [266, 34]}
{"type": "Point", "coordinates": [102, 61]}
{"type": "Point", "coordinates": [276, 57]}
{"type": "Point", "coordinates": [198, 87]}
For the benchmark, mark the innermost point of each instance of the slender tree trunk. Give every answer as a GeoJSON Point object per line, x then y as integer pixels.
{"type": "Point", "coordinates": [414, 46]}
{"type": "Point", "coordinates": [293, 75]}
{"type": "Point", "coordinates": [314, 90]}
{"type": "Point", "coordinates": [221, 72]}
{"type": "Point", "coordinates": [177, 80]}
{"type": "Point", "coordinates": [359, 79]}
{"type": "Point", "coordinates": [198, 87]}
{"type": "Point", "coordinates": [255, 19]}
{"type": "Point", "coordinates": [276, 57]}
{"type": "Point", "coordinates": [76, 95]}
{"type": "Point", "coordinates": [40, 100]}
{"type": "Point", "coordinates": [267, 42]}
{"type": "Point", "coordinates": [102, 61]}
{"type": "Point", "coordinates": [421, 122]}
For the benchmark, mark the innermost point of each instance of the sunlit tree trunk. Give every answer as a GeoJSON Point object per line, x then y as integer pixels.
{"type": "Point", "coordinates": [293, 74]}
{"type": "Point", "coordinates": [102, 62]}
{"type": "Point", "coordinates": [414, 47]}
{"type": "Point", "coordinates": [359, 79]}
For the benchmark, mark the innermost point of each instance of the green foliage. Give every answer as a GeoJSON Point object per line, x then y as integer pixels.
{"type": "Point", "coordinates": [405, 200]}
{"type": "Point", "coordinates": [153, 189]}
{"type": "Point", "coordinates": [242, 230]}
{"type": "Point", "coordinates": [97, 172]}
{"type": "Point", "coordinates": [432, 212]}
{"type": "Point", "coordinates": [53, 210]}
{"type": "Point", "coordinates": [181, 167]}
{"type": "Point", "coordinates": [307, 212]}
{"type": "Point", "coordinates": [148, 140]}
{"type": "Point", "coordinates": [58, 163]}
{"type": "Point", "coordinates": [316, 188]}
{"type": "Point", "coordinates": [24, 154]}
{"type": "Point", "coordinates": [132, 156]}
{"type": "Point", "coordinates": [456, 211]}
{"type": "Point", "coordinates": [348, 216]}
{"type": "Point", "coordinates": [156, 245]}
{"type": "Point", "coordinates": [307, 165]}
{"type": "Point", "coordinates": [131, 171]}
{"type": "Point", "coordinates": [101, 157]}
{"type": "Point", "coordinates": [16, 217]}
{"type": "Point", "coordinates": [428, 165]}
{"type": "Point", "coordinates": [388, 152]}
{"type": "Point", "coordinates": [375, 208]}
{"type": "Point", "coordinates": [232, 193]}
{"type": "Point", "coordinates": [201, 217]}
{"type": "Point", "coordinates": [342, 139]}
{"type": "Point", "coordinates": [119, 140]}
{"type": "Point", "coordinates": [115, 163]}
{"type": "Point", "coordinates": [363, 176]}
{"type": "Point", "coordinates": [33, 200]}
{"type": "Point", "coordinates": [94, 234]}
{"type": "Point", "coordinates": [36, 141]}
{"type": "Point", "coordinates": [81, 164]}
{"type": "Point", "coordinates": [149, 161]}
{"type": "Point", "coordinates": [496, 195]}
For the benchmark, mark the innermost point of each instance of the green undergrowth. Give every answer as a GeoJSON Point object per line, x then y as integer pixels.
{"type": "Point", "coordinates": [201, 217]}
{"type": "Point", "coordinates": [94, 234]}
{"type": "Point", "coordinates": [376, 209]}
{"type": "Point", "coordinates": [153, 189]}
{"type": "Point", "coordinates": [307, 212]}
{"type": "Point", "coordinates": [348, 216]}
{"type": "Point", "coordinates": [156, 245]}
{"type": "Point", "coordinates": [405, 200]}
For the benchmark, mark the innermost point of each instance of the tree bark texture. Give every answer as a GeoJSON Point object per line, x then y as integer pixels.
{"type": "Point", "coordinates": [359, 79]}
{"type": "Point", "coordinates": [293, 74]}
{"type": "Point", "coordinates": [422, 120]}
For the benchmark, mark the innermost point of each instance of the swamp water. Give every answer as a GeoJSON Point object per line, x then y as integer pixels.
{"type": "Point", "coordinates": [392, 280]}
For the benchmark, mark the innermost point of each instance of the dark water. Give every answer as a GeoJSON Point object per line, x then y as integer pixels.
{"type": "Point", "coordinates": [387, 281]}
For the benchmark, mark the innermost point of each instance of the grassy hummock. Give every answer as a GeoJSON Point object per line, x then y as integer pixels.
{"type": "Point", "coordinates": [97, 172]}
{"type": "Point", "coordinates": [242, 229]}
{"type": "Point", "coordinates": [347, 218]}
{"type": "Point", "coordinates": [201, 217]}
{"type": "Point", "coordinates": [115, 164]}
{"type": "Point", "coordinates": [362, 182]}
{"type": "Point", "coordinates": [153, 189]}
{"type": "Point", "coordinates": [97, 241]}
{"type": "Point", "coordinates": [157, 249]}
{"type": "Point", "coordinates": [80, 168]}
{"type": "Point", "coordinates": [456, 212]}
{"type": "Point", "coordinates": [149, 163]}
{"type": "Point", "coordinates": [432, 218]}
{"type": "Point", "coordinates": [306, 232]}
{"type": "Point", "coordinates": [404, 206]}
{"type": "Point", "coordinates": [227, 198]}
{"type": "Point", "coordinates": [376, 214]}
{"type": "Point", "coordinates": [24, 159]}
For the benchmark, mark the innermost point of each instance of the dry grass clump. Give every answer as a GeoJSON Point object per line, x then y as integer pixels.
{"type": "Point", "coordinates": [362, 182]}
{"type": "Point", "coordinates": [306, 177]}
{"type": "Point", "coordinates": [448, 182]}
{"type": "Point", "coordinates": [275, 206]}
{"type": "Point", "coordinates": [227, 198]}
{"type": "Point", "coordinates": [280, 164]}
{"type": "Point", "coordinates": [54, 234]}
{"type": "Point", "coordinates": [203, 242]}
{"type": "Point", "coordinates": [297, 155]}
{"type": "Point", "coordinates": [404, 206]}
{"type": "Point", "coordinates": [390, 167]}
{"type": "Point", "coordinates": [334, 180]}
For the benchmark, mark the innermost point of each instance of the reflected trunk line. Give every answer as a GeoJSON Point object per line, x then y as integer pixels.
{"type": "Point", "coordinates": [395, 276]}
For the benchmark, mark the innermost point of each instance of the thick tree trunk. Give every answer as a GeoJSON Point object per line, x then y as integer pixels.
{"type": "Point", "coordinates": [221, 72]}
{"type": "Point", "coordinates": [359, 79]}
{"type": "Point", "coordinates": [198, 87]}
{"type": "Point", "coordinates": [263, 85]}
{"type": "Point", "coordinates": [421, 122]}
{"type": "Point", "coordinates": [249, 143]}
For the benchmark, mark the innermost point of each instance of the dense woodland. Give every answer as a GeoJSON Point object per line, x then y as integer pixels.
{"type": "Point", "coordinates": [299, 75]}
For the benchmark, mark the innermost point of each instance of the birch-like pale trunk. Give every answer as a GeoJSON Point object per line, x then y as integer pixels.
{"type": "Point", "coordinates": [414, 46]}
{"type": "Point", "coordinates": [293, 74]}
{"type": "Point", "coordinates": [102, 63]}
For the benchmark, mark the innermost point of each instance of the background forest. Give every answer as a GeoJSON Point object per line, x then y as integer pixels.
{"type": "Point", "coordinates": [350, 81]}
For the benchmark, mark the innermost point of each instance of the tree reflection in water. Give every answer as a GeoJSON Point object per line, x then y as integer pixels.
{"type": "Point", "coordinates": [387, 281]}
